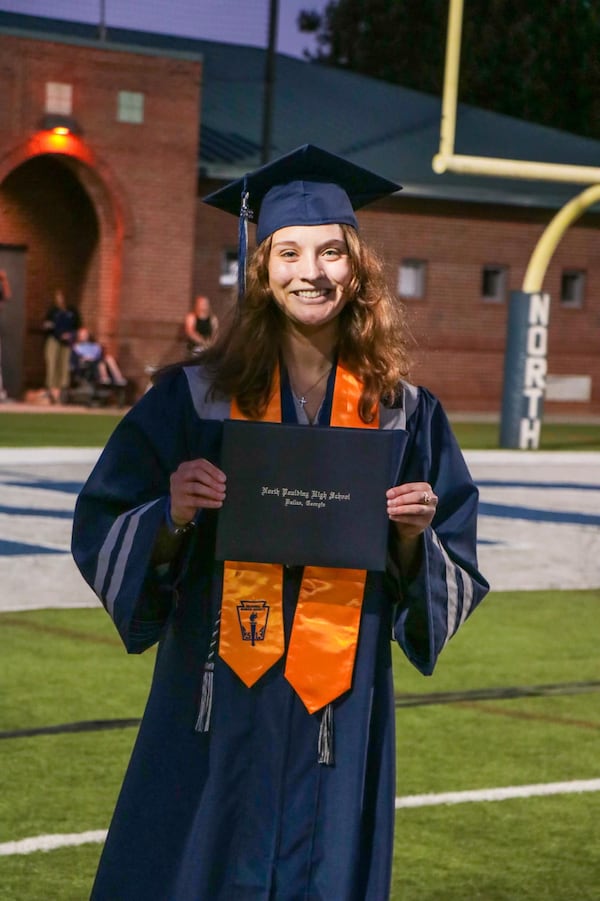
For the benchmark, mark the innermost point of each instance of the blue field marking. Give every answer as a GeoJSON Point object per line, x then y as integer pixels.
{"type": "Point", "coordinates": [36, 511]}
{"type": "Point", "coordinates": [552, 486]}
{"type": "Point", "coordinates": [48, 485]}
{"type": "Point", "coordinates": [565, 517]}
{"type": "Point", "coordinates": [23, 549]}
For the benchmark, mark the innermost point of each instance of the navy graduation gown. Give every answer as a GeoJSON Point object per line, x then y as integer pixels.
{"type": "Point", "coordinates": [245, 812]}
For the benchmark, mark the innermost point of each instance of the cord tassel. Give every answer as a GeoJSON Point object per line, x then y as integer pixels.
{"type": "Point", "coordinates": [326, 736]}
{"type": "Point", "coordinates": [203, 721]}
{"type": "Point", "coordinates": [245, 214]}
{"type": "Point", "coordinates": [206, 695]}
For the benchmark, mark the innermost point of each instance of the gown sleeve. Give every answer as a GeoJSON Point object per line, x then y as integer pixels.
{"type": "Point", "coordinates": [120, 511]}
{"type": "Point", "coordinates": [447, 586]}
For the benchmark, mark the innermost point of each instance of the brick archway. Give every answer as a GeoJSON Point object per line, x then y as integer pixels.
{"type": "Point", "coordinates": [101, 299]}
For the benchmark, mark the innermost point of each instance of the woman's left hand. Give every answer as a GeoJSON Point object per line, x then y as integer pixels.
{"type": "Point", "coordinates": [411, 507]}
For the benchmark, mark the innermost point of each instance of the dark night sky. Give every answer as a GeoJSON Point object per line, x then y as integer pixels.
{"type": "Point", "coordinates": [233, 21]}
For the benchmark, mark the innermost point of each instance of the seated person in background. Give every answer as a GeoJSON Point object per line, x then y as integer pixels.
{"type": "Point", "coordinates": [88, 357]}
{"type": "Point", "coordinates": [200, 326]}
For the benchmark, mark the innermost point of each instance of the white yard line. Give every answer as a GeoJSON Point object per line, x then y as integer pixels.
{"type": "Point", "coordinates": [15, 456]}
{"type": "Point", "coordinates": [51, 842]}
{"type": "Point", "coordinates": [32, 455]}
{"type": "Point", "coordinates": [500, 794]}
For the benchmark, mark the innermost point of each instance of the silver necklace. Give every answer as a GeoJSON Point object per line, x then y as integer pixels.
{"type": "Point", "coordinates": [304, 400]}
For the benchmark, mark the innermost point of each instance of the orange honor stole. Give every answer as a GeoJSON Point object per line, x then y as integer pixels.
{"type": "Point", "coordinates": [322, 646]}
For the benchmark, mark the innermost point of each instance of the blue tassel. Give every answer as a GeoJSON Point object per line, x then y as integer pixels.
{"type": "Point", "coordinates": [245, 214]}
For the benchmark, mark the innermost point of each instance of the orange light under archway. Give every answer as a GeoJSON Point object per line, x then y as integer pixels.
{"type": "Point", "coordinates": [60, 140]}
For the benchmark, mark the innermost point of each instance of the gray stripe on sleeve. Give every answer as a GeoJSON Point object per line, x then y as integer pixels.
{"type": "Point", "coordinates": [106, 551]}
{"type": "Point", "coordinates": [451, 589]}
{"type": "Point", "coordinates": [467, 604]}
{"type": "Point", "coordinates": [119, 568]}
{"type": "Point", "coordinates": [453, 592]}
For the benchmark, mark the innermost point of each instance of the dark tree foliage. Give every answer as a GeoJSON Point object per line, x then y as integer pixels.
{"type": "Point", "coordinates": [537, 60]}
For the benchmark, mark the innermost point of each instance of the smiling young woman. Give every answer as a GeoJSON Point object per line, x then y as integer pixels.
{"type": "Point", "coordinates": [370, 332]}
{"type": "Point", "coordinates": [309, 273]}
{"type": "Point", "coordinates": [264, 766]}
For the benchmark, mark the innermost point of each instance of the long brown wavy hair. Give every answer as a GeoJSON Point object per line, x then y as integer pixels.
{"type": "Point", "coordinates": [373, 335]}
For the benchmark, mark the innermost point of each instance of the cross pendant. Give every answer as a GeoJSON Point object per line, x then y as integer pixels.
{"type": "Point", "coordinates": [302, 401]}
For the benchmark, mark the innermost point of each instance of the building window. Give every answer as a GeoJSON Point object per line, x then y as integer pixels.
{"type": "Point", "coordinates": [130, 107]}
{"type": "Point", "coordinates": [411, 278]}
{"type": "Point", "coordinates": [572, 287]}
{"type": "Point", "coordinates": [59, 98]}
{"type": "Point", "coordinates": [229, 267]}
{"type": "Point", "coordinates": [493, 283]}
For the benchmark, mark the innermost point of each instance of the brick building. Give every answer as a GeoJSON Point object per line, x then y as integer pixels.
{"type": "Point", "coordinates": [115, 214]}
{"type": "Point", "coordinates": [105, 211]}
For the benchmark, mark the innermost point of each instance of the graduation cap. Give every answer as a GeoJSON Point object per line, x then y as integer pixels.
{"type": "Point", "coordinates": [308, 186]}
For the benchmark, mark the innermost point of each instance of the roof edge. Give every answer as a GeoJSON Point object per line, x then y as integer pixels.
{"type": "Point", "coordinates": [117, 46]}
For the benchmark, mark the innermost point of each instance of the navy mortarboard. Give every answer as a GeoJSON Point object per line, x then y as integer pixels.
{"type": "Point", "coordinates": [308, 186]}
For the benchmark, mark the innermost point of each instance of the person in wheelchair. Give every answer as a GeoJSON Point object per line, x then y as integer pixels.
{"type": "Point", "coordinates": [91, 366]}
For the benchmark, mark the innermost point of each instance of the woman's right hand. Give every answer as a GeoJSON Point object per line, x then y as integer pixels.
{"type": "Point", "coordinates": [195, 484]}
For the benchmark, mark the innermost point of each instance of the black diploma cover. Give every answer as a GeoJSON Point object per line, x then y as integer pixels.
{"type": "Point", "coordinates": [307, 496]}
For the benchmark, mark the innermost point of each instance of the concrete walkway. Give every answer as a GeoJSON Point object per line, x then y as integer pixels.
{"type": "Point", "coordinates": [539, 525]}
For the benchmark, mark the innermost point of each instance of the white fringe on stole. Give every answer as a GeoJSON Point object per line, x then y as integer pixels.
{"type": "Point", "coordinates": [206, 696]}
{"type": "Point", "coordinates": [326, 736]}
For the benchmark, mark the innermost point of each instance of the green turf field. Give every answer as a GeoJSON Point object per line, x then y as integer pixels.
{"type": "Point", "coordinates": [66, 666]}
{"type": "Point", "coordinates": [56, 429]}
{"type": "Point", "coordinates": [92, 430]}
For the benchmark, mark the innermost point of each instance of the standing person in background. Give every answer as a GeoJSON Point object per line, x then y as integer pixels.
{"type": "Point", "coordinates": [60, 325]}
{"type": "Point", "coordinates": [200, 326]}
{"type": "Point", "coordinates": [5, 294]}
{"type": "Point", "coordinates": [265, 770]}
